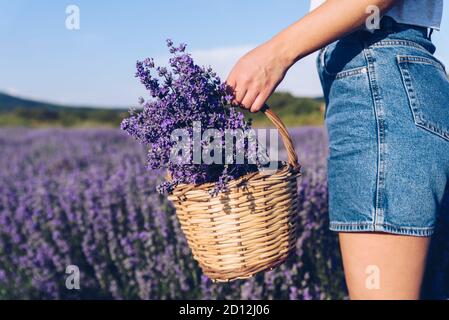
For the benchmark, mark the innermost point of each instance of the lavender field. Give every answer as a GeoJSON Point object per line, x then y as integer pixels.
{"type": "Point", "coordinates": [84, 198]}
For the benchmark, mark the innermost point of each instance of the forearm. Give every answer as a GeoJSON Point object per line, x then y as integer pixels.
{"type": "Point", "coordinates": [257, 74]}
{"type": "Point", "coordinates": [329, 22]}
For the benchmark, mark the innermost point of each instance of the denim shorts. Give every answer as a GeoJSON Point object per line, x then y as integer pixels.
{"type": "Point", "coordinates": [387, 119]}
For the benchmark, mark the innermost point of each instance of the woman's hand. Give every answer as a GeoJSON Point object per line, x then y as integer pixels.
{"type": "Point", "coordinates": [259, 72]}
{"type": "Point", "coordinates": [256, 75]}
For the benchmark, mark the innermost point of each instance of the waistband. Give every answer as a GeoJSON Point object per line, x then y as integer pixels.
{"type": "Point", "coordinates": [389, 29]}
{"type": "Point", "coordinates": [389, 25]}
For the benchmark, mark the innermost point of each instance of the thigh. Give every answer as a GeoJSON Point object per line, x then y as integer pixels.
{"type": "Point", "coordinates": [383, 266]}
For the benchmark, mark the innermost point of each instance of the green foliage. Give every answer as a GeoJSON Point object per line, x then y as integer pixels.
{"type": "Point", "coordinates": [294, 111]}
{"type": "Point", "coordinates": [64, 117]}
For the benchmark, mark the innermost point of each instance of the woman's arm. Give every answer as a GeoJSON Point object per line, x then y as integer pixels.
{"type": "Point", "coordinates": [257, 74]}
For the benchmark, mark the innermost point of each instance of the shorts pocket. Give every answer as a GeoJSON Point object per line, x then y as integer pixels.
{"type": "Point", "coordinates": [342, 59]}
{"type": "Point", "coordinates": [427, 87]}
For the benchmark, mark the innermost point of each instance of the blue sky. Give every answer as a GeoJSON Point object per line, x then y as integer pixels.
{"type": "Point", "coordinates": [40, 58]}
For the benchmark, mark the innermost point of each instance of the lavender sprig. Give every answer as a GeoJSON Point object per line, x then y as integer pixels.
{"type": "Point", "coordinates": [182, 94]}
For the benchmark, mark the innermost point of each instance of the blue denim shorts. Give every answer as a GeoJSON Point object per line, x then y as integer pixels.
{"type": "Point", "coordinates": [387, 119]}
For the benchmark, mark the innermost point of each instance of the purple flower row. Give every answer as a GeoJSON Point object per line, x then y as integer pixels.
{"type": "Point", "coordinates": [84, 198]}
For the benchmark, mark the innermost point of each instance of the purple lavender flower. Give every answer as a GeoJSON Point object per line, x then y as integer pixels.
{"type": "Point", "coordinates": [183, 94]}
{"type": "Point", "coordinates": [125, 238]}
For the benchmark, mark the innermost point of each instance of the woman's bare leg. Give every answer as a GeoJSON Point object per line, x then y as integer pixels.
{"type": "Point", "coordinates": [383, 266]}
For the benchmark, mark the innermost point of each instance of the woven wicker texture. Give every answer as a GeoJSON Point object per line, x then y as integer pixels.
{"type": "Point", "coordinates": [249, 228]}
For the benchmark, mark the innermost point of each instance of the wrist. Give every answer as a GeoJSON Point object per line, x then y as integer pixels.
{"type": "Point", "coordinates": [283, 51]}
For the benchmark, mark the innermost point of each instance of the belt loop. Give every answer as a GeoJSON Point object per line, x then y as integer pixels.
{"type": "Point", "coordinates": [388, 24]}
{"type": "Point", "coordinates": [430, 34]}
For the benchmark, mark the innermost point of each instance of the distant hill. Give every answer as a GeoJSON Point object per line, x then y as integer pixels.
{"type": "Point", "coordinates": [8, 103]}
{"type": "Point", "coordinates": [15, 111]}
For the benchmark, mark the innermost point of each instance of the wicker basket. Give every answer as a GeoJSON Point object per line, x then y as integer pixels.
{"type": "Point", "coordinates": [247, 229]}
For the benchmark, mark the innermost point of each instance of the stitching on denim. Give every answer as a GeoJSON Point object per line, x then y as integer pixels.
{"type": "Point", "coordinates": [435, 130]}
{"type": "Point", "coordinates": [383, 227]}
{"type": "Point", "coordinates": [342, 74]}
{"type": "Point", "coordinates": [407, 81]}
{"type": "Point", "coordinates": [369, 223]}
{"type": "Point", "coordinates": [381, 146]}
{"type": "Point", "coordinates": [399, 42]}
{"type": "Point", "coordinates": [351, 72]}
{"type": "Point", "coordinates": [422, 60]}
{"type": "Point", "coordinates": [418, 119]}
{"type": "Point", "coordinates": [408, 43]}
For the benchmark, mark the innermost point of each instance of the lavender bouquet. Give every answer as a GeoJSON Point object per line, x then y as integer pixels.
{"type": "Point", "coordinates": [181, 95]}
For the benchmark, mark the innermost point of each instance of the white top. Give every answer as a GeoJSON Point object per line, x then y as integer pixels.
{"type": "Point", "coordinates": [424, 13]}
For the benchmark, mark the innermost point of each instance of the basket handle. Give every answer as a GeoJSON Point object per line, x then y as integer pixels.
{"type": "Point", "coordinates": [286, 138]}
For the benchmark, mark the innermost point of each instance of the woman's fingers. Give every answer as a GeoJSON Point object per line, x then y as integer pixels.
{"type": "Point", "coordinates": [249, 99]}
{"type": "Point", "coordinates": [255, 76]}
{"type": "Point", "coordinates": [239, 94]}
{"type": "Point", "coordinates": [259, 102]}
